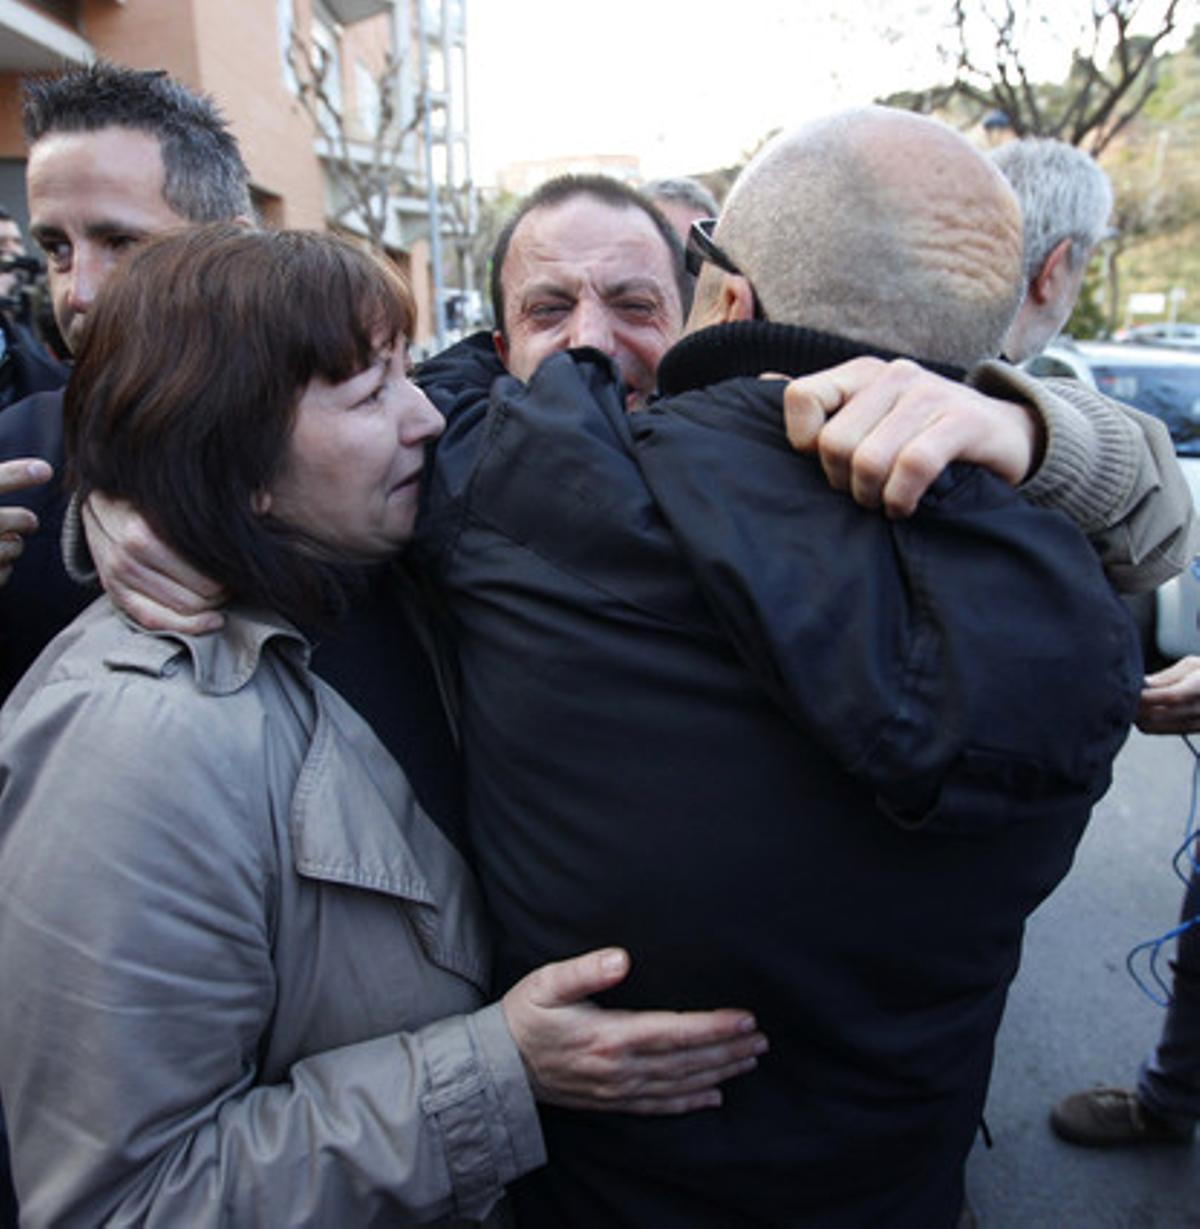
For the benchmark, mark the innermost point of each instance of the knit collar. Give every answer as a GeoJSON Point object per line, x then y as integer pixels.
{"type": "Point", "coordinates": [752, 347]}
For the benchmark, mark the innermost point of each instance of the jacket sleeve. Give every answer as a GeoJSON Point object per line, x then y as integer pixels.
{"type": "Point", "coordinates": [1112, 470]}
{"type": "Point", "coordinates": [461, 374]}
{"type": "Point", "coordinates": [135, 952]}
{"type": "Point", "coordinates": [76, 554]}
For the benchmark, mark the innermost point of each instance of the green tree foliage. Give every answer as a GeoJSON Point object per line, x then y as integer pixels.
{"type": "Point", "coordinates": [1089, 318]}
{"type": "Point", "coordinates": [1156, 185]}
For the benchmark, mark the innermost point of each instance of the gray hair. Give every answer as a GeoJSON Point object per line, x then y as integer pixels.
{"type": "Point", "coordinates": [686, 191]}
{"type": "Point", "coordinates": [883, 227]}
{"type": "Point", "coordinates": [205, 178]}
{"type": "Point", "coordinates": [1063, 195]}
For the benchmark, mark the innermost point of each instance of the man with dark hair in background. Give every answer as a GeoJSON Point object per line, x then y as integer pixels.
{"type": "Point", "coordinates": [115, 156]}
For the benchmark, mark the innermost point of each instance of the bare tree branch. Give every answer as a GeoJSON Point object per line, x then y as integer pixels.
{"type": "Point", "coordinates": [1099, 97]}
{"type": "Point", "coordinates": [366, 165]}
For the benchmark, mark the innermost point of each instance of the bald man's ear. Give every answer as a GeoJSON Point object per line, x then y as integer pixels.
{"type": "Point", "coordinates": [720, 299]}
{"type": "Point", "coordinates": [736, 300]}
{"type": "Point", "coordinates": [501, 347]}
{"type": "Point", "coordinates": [1055, 271]}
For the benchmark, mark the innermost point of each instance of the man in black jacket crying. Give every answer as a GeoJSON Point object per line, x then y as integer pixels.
{"type": "Point", "coordinates": [791, 753]}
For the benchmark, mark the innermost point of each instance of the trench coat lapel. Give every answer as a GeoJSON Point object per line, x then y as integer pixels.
{"type": "Point", "coordinates": [355, 821]}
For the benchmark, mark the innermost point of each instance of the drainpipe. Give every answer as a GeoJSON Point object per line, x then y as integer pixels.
{"type": "Point", "coordinates": [435, 221]}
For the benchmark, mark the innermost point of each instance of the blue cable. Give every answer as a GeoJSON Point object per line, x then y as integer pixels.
{"type": "Point", "coordinates": [1185, 862]}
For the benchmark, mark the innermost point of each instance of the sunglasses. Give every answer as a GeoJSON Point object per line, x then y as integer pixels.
{"type": "Point", "coordinates": [700, 248]}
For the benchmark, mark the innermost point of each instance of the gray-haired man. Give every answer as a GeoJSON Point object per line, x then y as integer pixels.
{"type": "Point", "coordinates": [1065, 202]}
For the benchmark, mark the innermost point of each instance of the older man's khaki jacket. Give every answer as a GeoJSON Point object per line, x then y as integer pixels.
{"type": "Point", "coordinates": [1112, 470]}
{"type": "Point", "coordinates": [242, 971]}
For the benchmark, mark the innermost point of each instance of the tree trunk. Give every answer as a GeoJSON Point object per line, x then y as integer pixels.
{"type": "Point", "coordinates": [1112, 277]}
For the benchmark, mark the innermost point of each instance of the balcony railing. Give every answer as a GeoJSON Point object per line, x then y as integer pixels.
{"type": "Point", "coordinates": [33, 40]}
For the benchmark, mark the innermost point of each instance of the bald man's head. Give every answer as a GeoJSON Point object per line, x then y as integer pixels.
{"type": "Point", "coordinates": [884, 227]}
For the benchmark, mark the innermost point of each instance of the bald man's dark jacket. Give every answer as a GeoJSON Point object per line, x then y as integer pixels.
{"type": "Point", "coordinates": [795, 756]}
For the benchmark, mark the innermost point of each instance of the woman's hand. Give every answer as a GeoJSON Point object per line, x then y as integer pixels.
{"type": "Point", "coordinates": [143, 576]}
{"type": "Point", "coordinates": [582, 1056]}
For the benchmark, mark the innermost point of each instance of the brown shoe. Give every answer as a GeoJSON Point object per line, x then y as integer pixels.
{"type": "Point", "coordinates": [1111, 1117]}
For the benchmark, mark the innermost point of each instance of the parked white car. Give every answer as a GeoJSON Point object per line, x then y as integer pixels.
{"type": "Point", "coordinates": [1183, 335]}
{"type": "Point", "coordinates": [1164, 382]}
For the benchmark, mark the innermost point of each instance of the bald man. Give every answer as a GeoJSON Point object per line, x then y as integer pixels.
{"type": "Point", "coordinates": [789, 751]}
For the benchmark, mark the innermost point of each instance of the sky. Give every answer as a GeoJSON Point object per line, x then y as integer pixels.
{"type": "Point", "coordinates": [687, 86]}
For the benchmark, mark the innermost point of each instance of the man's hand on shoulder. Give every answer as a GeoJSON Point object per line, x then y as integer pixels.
{"type": "Point", "coordinates": [884, 431]}
{"type": "Point", "coordinates": [16, 524]}
{"type": "Point", "coordinates": [143, 576]}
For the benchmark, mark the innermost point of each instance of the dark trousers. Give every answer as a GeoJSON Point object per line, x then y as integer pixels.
{"type": "Point", "coordinates": [1169, 1081]}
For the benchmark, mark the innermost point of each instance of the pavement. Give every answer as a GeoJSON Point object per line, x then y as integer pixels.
{"type": "Point", "coordinates": [1076, 1018]}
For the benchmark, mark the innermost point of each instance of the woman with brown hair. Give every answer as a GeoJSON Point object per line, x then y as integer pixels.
{"type": "Point", "coordinates": [244, 971]}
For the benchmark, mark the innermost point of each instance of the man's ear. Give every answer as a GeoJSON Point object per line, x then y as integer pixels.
{"type": "Point", "coordinates": [501, 346]}
{"type": "Point", "coordinates": [736, 301]}
{"type": "Point", "coordinates": [260, 502]}
{"type": "Point", "coordinates": [1055, 270]}
{"type": "Point", "coordinates": [720, 298]}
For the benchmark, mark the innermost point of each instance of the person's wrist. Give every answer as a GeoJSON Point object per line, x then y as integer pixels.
{"type": "Point", "coordinates": [1031, 426]}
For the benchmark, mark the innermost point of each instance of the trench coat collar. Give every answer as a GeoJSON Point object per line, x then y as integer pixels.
{"type": "Point", "coordinates": [354, 818]}
{"type": "Point", "coordinates": [224, 661]}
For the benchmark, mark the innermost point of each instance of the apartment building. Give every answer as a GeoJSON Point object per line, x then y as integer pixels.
{"type": "Point", "coordinates": [304, 155]}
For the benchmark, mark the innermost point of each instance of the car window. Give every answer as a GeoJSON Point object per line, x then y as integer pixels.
{"type": "Point", "coordinates": [1047, 365]}
{"type": "Point", "coordinates": [1169, 393]}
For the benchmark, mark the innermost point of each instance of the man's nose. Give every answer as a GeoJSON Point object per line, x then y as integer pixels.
{"type": "Point", "coordinates": [591, 325]}
{"type": "Point", "coordinates": [86, 278]}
